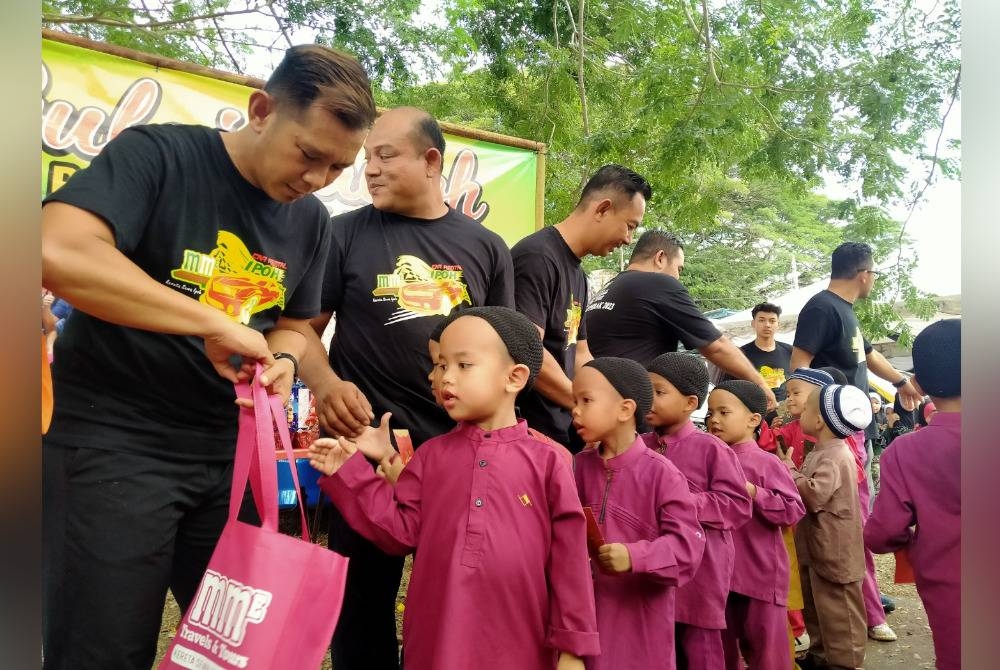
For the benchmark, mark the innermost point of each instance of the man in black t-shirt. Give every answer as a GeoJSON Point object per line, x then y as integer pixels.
{"type": "Point", "coordinates": [551, 288]}
{"type": "Point", "coordinates": [645, 311]}
{"type": "Point", "coordinates": [828, 333]}
{"type": "Point", "coordinates": [770, 357]}
{"type": "Point", "coordinates": [179, 247]}
{"type": "Point", "coordinates": [396, 268]}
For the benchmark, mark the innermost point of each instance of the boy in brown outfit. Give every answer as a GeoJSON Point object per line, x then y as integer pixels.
{"type": "Point", "coordinates": [828, 540]}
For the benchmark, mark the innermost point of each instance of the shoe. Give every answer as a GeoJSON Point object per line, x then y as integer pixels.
{"type": "Point", "coordinates": [802, 643]}
{"type": "Point", "coordinates": [887, 603]}
{"type": "Point", "coordinates": [882, 633]}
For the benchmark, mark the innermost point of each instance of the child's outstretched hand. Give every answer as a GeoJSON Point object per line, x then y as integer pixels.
{"type": "Point", "coordinates": [614, 558]}
{"type": "Point", "coordinates": [374, 442]}
{"type": "Point", "coordinates": [328, 454]}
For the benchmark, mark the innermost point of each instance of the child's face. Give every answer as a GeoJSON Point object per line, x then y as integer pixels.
{"type": "Point", "coordinates": [600, 409]}
{"type": "Point", "coordinates": [811, 421]}
{"type": "Point", "coordinates": [798, 392]}
{"type": "Point", "coordinates": [434, 377]}
{"type": "Point", "coordinates": [476, 374]}
{"type": "Point", "coordinates": [670, 406]}
{"type": "Point", "coordinates": [729, 419]}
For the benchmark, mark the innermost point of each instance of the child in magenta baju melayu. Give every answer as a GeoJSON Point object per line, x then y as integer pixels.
{"type": "Point", "coordinates": [921, 486]}
{"type": "Point", "coordinates": [502, 577]}
{"type": "Point", "coordinates": [756, 612]}
{"type": "Point", "coordinates": [717, 482]}
{"type": "Point", "coordinates": [653, 541]}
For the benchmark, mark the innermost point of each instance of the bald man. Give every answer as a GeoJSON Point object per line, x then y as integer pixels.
{"type": "Point", "coordinates": [395, 269]}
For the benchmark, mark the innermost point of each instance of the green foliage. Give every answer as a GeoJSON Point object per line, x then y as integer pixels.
{"type": "Point", "coordinates": [737, 112]}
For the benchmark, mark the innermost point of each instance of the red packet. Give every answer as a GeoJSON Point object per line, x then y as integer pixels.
{"type": "Point", "coordinates": [904, 570]}
{"type": "Point", "coordinates": [404, 443]}
{"type": "Point", "coordinates": [594, 538]}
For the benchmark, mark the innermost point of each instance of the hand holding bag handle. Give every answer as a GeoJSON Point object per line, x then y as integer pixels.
{"type": "Point", "coordinates": [256, 463]}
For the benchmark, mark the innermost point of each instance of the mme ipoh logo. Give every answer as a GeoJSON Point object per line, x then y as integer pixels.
{"type": "Point", "coordinates": [225, 607]}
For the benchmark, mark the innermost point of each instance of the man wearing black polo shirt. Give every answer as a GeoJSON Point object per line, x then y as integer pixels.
{"type": "Point", "coordinates": [395, 269]}
{"type": "Point", "coordinates": [551, 288]}
{"type": "Point", "coordinates": [645, 311]}
{"type": "Point", "coordinates": [179, 246]}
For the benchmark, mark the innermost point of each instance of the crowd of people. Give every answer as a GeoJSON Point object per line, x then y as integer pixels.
{"type": "Point", "coordinates": [564, 510]}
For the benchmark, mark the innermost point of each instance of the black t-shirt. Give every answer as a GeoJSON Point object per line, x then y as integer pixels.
{"type": "Point", "coordinates": [828, 329]}
{"type": "Point", "coordinates": [390, 279]}
{"type": "Point", "coordinates": [640, 315]}
{"type": "Point", "coordinates": [551, 290]}
{"type": "Point", "coordinates": [180, 210]}
{"type": "Point", "coordinates": [772, 365]}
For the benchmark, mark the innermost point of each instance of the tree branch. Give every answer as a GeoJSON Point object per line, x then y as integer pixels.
{"type": "Point", "coordinates": [581, 84]}
{"type": "Point", "coordinates": [118, 23]}
{"type": "Point", "coordinates": [222, 38]}
{"type": "Point", "coordinates": [270, 6]}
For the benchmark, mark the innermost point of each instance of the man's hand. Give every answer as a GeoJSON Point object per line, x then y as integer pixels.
{"type": "Point", "coordinates": [277, 378]}
{"type": "Point", "coordinates": [235, 339]}
{"type": "Point", "coordinates": [342, 409]}
{"type": "Point", "coordinates": [772, 402]}
{"type": "Point", "coordinates": [568, 661]}
{"type": "Point", "coordinates": [614, 558]}
{"type": "Point", "coordinates": [910, 398]}
{"type": "Point", "coordinates": [328, 454]}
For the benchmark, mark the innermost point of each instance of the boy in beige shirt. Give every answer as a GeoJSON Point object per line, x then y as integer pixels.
{"type": "Point", "coordinates": [828, 540]}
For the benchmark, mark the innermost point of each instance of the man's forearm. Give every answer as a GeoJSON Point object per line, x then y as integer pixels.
{"type": "Point", "coordinates": [800, 359]}
{"type": "Point", "coordinates": [314, 367]}
{"type": "Point", "coordinates": [553, 383]}
{"type": "Point", "coordinates": [728, 357]}
{"type": "Point", "coordinates": [878, 364]}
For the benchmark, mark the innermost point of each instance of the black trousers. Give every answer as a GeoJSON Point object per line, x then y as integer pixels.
{"type": "Point", "coordinates": [365, 637]}
{"type": "Point", "coordinates": [118, 530]}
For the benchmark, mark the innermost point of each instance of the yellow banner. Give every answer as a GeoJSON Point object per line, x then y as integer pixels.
{"type": "Point", "coordinates": [89, 96]}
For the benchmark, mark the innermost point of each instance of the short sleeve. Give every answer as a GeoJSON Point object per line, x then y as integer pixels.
{"type": "Point", "coordinates": [678, 309]}
{"type": "Point", "coordinates": [534, 282]}
{"type": "Point", "coordinates": [501, 289]}
{"type": "Point", "coordinates": [816, 329]}
{"type": "Point", "coordinates": [333, 275]}
{"type": "Point", "coordinates": [867, 345]}
{"type": "Point", "coordinates": [121, 186]}
{"type": "Point", "coordinates": [305, 300]}
{"type": "Point", "coordinates": [582, 331]}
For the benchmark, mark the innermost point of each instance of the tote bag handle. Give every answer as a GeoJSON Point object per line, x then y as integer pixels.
{"type": "Point", "coordinates": [255, 461]}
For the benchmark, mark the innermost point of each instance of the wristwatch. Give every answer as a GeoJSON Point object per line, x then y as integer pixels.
{"type": "Point", "coordinates": [895, 384]}
{"type": "Point", "coordinates": [295, 363]}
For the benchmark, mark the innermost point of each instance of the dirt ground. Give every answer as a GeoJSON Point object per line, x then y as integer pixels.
{"type": "Point", "coordinates": [913, 650]}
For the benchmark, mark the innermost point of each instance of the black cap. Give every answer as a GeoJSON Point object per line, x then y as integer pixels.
{"type": "Point", "coordinates": [629, 379]}
{"type": "Point", "coordinates": [516, 331]}
{"type": "Point", "coordinates": [686, 372]}
{"type": "Point", "coordinates": [751, 395]}
{"type": "Point", "coordinates": [937, 359]}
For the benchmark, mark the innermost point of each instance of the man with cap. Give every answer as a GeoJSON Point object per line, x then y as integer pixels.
{"type": "Point", "coordinates": [501, 577]}
{"type": "Point", "coordinates": [921, 487]}
{"type": "Point", "coordinates": [646, 311]}
{"type": "Point", "coordinates": [828, 539]}
{"type": "Point", "coordinates": [408, 242]}
{"type": "Point", "coordinates": [551, 288]}
{"type": "Point", "coordinates": [653, 541]}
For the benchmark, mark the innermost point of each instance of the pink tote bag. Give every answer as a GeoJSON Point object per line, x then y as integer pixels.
{"type": "Point", "coordinates": [267, 600]}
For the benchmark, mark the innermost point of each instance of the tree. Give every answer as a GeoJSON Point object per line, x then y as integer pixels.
{"type": "Point", "coordinates": [737, 112]}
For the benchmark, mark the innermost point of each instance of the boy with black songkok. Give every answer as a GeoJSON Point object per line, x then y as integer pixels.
{"type": "Point", "coordinates": [494, 512]}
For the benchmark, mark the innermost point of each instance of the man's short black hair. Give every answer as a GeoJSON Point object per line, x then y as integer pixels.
{"type": "Point", "coordinates": [768, 307]}
{"type": "Point", "coordinates": [615, 178]}
{"type": "Point", "coordinates": [311, 73]}
{"type": "Point", "coordinates": [427, 133]}
{"type": "Point", "coordinates": [849, 258]}
{"type": "Point", "coordinates": [653, 241]}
